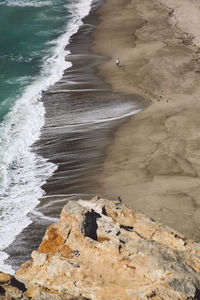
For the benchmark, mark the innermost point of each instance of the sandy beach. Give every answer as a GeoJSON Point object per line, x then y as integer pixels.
{"type": "Point", "coordinates": [151, 160]}
{"type": "Point", "coordinates": [154, 162]}
{"type": "Point", "coordinates": [82, 113]}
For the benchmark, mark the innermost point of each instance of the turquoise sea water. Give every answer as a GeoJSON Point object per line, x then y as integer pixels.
{"type": "Point", "coordinates": [27, 29]}
{"type": "Point", "coordinates": [33, 36]}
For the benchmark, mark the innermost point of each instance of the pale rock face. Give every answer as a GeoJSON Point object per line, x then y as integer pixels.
{"type": "Point", "coordinates": [102, 249]}
{"type": "Point", "coordinates": [39, 259]}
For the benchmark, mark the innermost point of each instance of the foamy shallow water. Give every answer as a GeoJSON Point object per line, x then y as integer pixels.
{"type": "Point", "coordinates": [22, 172]}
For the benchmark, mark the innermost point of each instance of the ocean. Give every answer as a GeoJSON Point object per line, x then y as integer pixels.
{"type": "Point", "coordinates": [33, 36]}
{"type": "Point", "coordinates": [58, 117]}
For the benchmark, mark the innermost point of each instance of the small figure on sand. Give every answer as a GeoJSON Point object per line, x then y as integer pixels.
{"type": "Point", "coordinates": [117, 62]}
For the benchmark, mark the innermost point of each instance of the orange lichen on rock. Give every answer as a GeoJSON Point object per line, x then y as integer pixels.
{"type": "Point", "coordinates": [65, 251]}
{"type": "Point", "coordinates": [102, 249]}
{"type": "Point", "coordinates": [52, 241]}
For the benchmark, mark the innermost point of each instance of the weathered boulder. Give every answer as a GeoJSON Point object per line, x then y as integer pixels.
{"type": "Point", "coordinates": [102, 249]}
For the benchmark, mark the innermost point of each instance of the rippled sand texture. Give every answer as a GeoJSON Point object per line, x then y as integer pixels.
{"type": "Point", "coordinates": [154, 162]}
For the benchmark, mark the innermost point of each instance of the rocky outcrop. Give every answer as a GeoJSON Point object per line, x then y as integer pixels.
{"type": "Point", "coordinates": [102, 249]}
{"type": "Point", "coordinates": [10, 288]}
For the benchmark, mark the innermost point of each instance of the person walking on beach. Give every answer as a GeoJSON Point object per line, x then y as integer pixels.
{"type": "Point", "coordinates": [117, 62]}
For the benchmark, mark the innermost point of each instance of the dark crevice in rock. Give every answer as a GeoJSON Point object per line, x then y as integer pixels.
{"type": "Point", "coordinates": [142, 237]}
{"type": "Point", "coordinates": [90, 224]}
{"type": "Point", "coordinates": [104, 211]}
{"type": "Point", "coordinates": [128, 228]}
{"type": "Point", "coordinates": [2, 291]}
{"type": "Point", "coordinates": [68, 234]}
{"type": "Point", "coordinates": [18, 284]}
{"type": "Point", "coordinates": [197, 295]}
{"type": "Point", "coordinates": [123, 242]}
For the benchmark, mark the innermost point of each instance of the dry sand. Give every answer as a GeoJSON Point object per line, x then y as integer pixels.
{"type": "Point", "coordinates": [154, 162]}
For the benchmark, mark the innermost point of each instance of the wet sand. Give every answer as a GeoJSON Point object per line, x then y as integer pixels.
{"type": "Point", "coordinates": [151, 159]}
{"type": "Point", "coordinates": [154, 161]}
{"type": "Point", "coordinates": [82, 114]}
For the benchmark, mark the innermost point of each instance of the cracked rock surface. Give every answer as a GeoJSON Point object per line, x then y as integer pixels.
{"type": "Point", "coordinates": [101, 249]}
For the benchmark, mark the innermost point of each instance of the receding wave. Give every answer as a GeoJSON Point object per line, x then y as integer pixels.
{"type": "Point", "coordinates": [22, 172]}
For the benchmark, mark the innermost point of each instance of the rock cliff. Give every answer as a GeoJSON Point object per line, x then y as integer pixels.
{"type": "Point", "coordinates": [102, 249]}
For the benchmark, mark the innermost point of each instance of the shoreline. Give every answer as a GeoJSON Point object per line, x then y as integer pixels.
{"type": "Point", "coordinates": [44, 214]}
{"type": "Point", "coordinates": [77, 148]}
{"type": "Point", "coordinates": [153, 163]}
{"type": "Point", "coordinates": [152, 159]}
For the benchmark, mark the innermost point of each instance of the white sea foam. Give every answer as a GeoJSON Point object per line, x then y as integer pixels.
{"type": "Point", "coordinates": [39, 215]}
{"type": "Point", "coordinates": [112, 112]}
{"type": "Point", "coordinates": [25, 3]}
{"type": "Point", "coordinates": [22, 172]}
